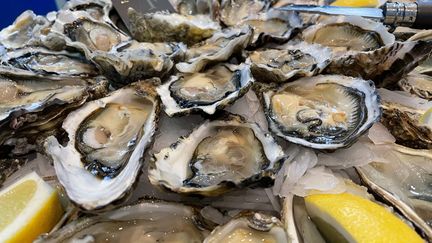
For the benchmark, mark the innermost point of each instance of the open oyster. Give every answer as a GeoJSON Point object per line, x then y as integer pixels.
{"type": "Point", "coordinates": [25, 31]}
{"type": "Point", "coordinates": [407, 117]}
{"type": "Point", "coordinates": [219, 48]}
{"type": "Point", "coordinates": [347, 35]}
{"type": "Point", "coordinates": [97, 9]}
{"type": "Point", "coordinates": [205, 91]}
{"type": "Point", "coordinates": [268, 24]}
{"type": "Point", "coordinates": [322, 112]}
{"type": "Point", "coordinates": [417, 84]}
{"type": "Point", "coordinates": [40, 61]}
{"type": "Point", "coordinates": [218, 155]}
{"type": "Point", "coordinates": [192, 7]}
{"type": "Point", "coordinates": [280, 65]}
{"type": "Point", "coordinates": [144, 222]}
{"type": "Point", "coordinates": [254, 227]}
{"type": "Point", "coordinates": [81, 31]}
{"type": "Point", "coordinates": [107, 139]}
{"type": "Point", "coordinates": [162, 26]}
{"type": "Point", "coordinates": [404, 181]}
{"type": "Point", "coordinates": [132, 61]}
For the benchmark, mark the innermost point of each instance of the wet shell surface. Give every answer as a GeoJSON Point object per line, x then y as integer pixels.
{"type": "Point", "coordinates": [322, 112]}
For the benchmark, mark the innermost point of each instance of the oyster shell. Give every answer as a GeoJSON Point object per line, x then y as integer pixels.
{"type": "Point", "coordinates": [417, 84]}
{"type": "Point", "coordinates": [25, 31]}
{"type": "Point", "coordinates": [132, 61]}
{"type": "Point", "coordinates": [347, 35]}
{"type": "Point", "coordinates": [218, 155]}
{"type": "Point", "coordinates": [144, 222]}
{"type": "Point", "coordinates": [269, 25]}
{"type": "Point", "coordinates": [219, 48]}
{"type": "Point", "coordinates": [97, 9]}
{"type": "Point", "coordinates": [404, 183]}
{"type": "Point", "coordinates": [407, 117]}
{"type": "Point", "coordinates": [81, 31]}
{"type": "Point", "coordinates": [192, 7]}
{"type": "Point", "coordinates": [205, 91]}
{"type": "Point", "coordinates": [161, 26]}
{"type": "Point", "coordinates": [255, 227]}
{"type": "Point", "coordinates": [280, 65]}
{"type": "Point", "coordinates": [107, 139]}
{"type": "Point", "coordinates": [322, 112]}
{"type": "Point", "coordinates": [40, 61]}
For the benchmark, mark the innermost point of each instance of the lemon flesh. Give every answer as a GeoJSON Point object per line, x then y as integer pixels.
{"type": "Point", "coordinates": [356, 3]}
{"type": "Point", "coordinates": [28, 208]}
{"type": "Point", "coordinates": [349, 218]}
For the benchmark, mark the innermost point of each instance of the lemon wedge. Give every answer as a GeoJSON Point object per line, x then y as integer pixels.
{"type": "Point", "coordinates": [350, 218]}
{"type": "Point", "coordinates": [356, 3]}
{"type": "Point", "coordinates": [28, 208]}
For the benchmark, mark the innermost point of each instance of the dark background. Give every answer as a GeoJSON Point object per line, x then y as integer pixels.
{"type": "Point", "coordinates": [10, 9]}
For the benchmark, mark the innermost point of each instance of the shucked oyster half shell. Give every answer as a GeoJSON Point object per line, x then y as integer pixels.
{"type": "Point", "coordinates": [407, 117]}
{"type": "Point", "coordinates": [143, 222]}
{"type": "Point", "coordinates": [218, 48]}
{"type": "Point", "coordinates": [253, 227]}
{"type": "Point", "coordinates": [38, 61]}
{"type": "Point", "coordinates": [132, 61]}
{"type": "Point", "coordinates": [163, 26]}
{"type": "Point", "coordinates": [417, 84]}
{"type": "Point", "coordinates": [205, 91]}
{"type": "Point", "coordinates": [218, 155]}
{"type": "Point", "coordinates": [404, 181]}
{"type": "Point", "coordinates": [107, 139]}
{"type": "Point", "coordinates": [322, 112]}
{"type": "Point", "coordinates": [286, 62]}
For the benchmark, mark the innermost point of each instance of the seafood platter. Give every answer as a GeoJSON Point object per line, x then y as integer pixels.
{"type": "Point", "coordinates": [226, 121]}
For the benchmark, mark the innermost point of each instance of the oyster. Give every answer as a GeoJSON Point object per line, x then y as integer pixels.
{"type": "Point", "coordinates": [347, 35]}
{"type": "Point", "coordinates": [218, 155]}
{"type": "Point", "coordinates": [107, 139]}
{"type": "Point", "coordinates": [254, 227]}
{"type": "Point", "coordinates": [280, 65]}
{"type": "Point", "coordinates": [193, 7]}
{"type": "Point", "coordinates": [404, 181]}
{"type": "Point", "coordinates": [97, 9]}
{"type": "Point", "coordinates": [81, 31]}
{"type": "Point", "coordinates": [268, 24]}
{"type": "Point", "coordinates": [144, 222]}
{"type": "Point", "coordinates": [40, 61]}
{"type": "Point", "coordinates": [205, 91]}
{"type": "Point", "coordinates": [132, 61]}
{"type": "Point", "coordinates": [407, 117]}
{"type": "Point", "coordinates": [417, 84]}
{"type": "Point", "coordinates": [219, 48]}
{"type": "Point", "coordinates": [161, 26]}
{"type": "Point", "coordinates": [25, 31]}
{"type": "Point", "coordinates": [322, 112]}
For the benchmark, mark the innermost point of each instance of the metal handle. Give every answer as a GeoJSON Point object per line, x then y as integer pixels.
{"type": "Point", "coordinates": [424, 15]}
{"type": "Point", "coordinates": [400, 14]}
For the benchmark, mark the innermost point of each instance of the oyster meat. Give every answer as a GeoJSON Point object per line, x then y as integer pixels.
{"type": "Point", "coordinates": [253, 227]}
{"type": "Point", "coordinates": [280, 65]}
{"type": "Point", "coordinates": [161, 26]}
{"type": "Point", "coordinates": [107, 139]}
{"type": "Point", "coordinates": [193, 7]}
{"type": "Point", "coordinates": [132, 61]}
{"type": "Point", "coordinates": [218, 155]}
{"type": "Point", "coordinates": [407, 117]}
{"type": "Point", "coordinates": [218, 48]}
{"type": "Point", "coordinates": [205, 91]}
{"type": "Point", "coordinates": [40, 61]}
{"type": "Point", "coordinates": [143, 222]}
{"type": "Point", "coordinates": [97, 9]}
{"type": "Point", "coordinates": [322, 112]}
{"type": "Point", "coordinates": [404, 180]}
